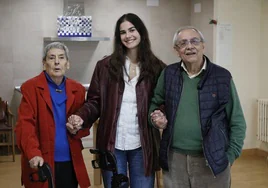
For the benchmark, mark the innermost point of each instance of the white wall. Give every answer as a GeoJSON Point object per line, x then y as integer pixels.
{"type": "Point", "coordinates": [264, 50]}
{"type": "Point", "coordinates": [201, 21]}
{"type": "Point", "coordinates": [245, 17]}
{"type": "Point", "coordinates": [263, 60]}
{"type": "Point", "coordinates": [24, 23]}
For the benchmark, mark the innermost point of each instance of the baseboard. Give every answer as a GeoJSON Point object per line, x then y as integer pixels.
{"type": "Point", "coordinates": [255, 152]}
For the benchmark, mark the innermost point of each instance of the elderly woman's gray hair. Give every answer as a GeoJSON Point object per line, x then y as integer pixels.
{"type": "Point", "coordinates": [57, 45]}
{"type": "Point", "coordinates": [175, 38]}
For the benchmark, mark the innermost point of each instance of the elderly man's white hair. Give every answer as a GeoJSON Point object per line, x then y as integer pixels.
{"type": "Point", "coordinates": [175, 38]}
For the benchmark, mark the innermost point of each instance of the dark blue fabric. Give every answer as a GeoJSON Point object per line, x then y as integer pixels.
{"type": "Point", "coordinates": [59, 97]}
{"type": "Point", "coordinates": [214, 93]}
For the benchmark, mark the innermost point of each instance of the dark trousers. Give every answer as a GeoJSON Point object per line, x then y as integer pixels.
{"type": "Point", "coordinates": [65, 175]}
{"type": "Point", "coordinates": [188, 171]}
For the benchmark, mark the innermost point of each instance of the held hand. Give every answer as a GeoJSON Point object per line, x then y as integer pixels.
{"type": "Point", "coordinates": [36, 161]}
{"type": "Point", "coordinates": [71, 128]}
{"type": "Point", "coordinates": [159, 119]}
{"type": "Point", "coordinates": [74, 124]}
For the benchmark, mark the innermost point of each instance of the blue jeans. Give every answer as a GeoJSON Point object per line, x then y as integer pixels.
{"type": "Point", "coordinates": [133, 160]}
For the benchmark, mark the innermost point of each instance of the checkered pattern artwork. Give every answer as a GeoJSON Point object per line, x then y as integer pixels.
{"type": "Point", "coordinates": [74, 26]}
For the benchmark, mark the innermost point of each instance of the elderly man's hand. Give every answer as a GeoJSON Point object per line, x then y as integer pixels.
{"type": "Point", "coordinates": [159, 119]}
{"type": "Point", "coordinates": [74, 124]}
{"type": "Point", "coordinates": [36, 161]}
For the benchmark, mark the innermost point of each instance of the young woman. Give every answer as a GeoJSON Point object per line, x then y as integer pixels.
{"type": "Point", "coordinates": [119, 94]}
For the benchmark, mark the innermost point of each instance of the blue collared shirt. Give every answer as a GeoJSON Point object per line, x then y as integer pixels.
{"type": "Point", "coordinates": [59, 98]}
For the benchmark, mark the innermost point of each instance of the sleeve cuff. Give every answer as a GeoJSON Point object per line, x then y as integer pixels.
{"type": "Point", "coordinates": [34, 154]}
{"type": "Point", "coordinates": [231, 157]}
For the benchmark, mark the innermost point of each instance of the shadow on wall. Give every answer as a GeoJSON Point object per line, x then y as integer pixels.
{"type": "Point", "coordinates": [14, 104]}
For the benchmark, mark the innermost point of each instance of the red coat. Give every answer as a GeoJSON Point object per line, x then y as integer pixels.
{"type": "Point", "coordinates": [35, 128]}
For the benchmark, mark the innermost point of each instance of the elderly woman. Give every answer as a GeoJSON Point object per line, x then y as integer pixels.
{"type": "Point", "coordinates": [47, 101]}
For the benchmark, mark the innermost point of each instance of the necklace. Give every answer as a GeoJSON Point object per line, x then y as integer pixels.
{"type": "Point", "coordinates": [132, 71]}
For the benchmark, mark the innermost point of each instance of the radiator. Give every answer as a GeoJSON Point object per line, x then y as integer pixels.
{"type": "Point", "coordinates": [263, 120]}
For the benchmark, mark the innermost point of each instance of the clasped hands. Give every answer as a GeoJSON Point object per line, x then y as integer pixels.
{"type": "Point", "coordinates": [159, 119]}
{"type": "Point", "coordinates": [74, 124]}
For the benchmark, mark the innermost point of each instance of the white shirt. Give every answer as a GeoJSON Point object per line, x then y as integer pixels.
{"type": "Point", "coordinates": [127, 132]}
{"type": "Point", "coordinates": [195, 75]}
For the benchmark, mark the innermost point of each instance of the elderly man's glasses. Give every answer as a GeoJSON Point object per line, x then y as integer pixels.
{"type": "Point", "coordinates": [193, 41]}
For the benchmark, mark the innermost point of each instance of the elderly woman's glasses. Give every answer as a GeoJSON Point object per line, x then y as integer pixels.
{"type": "Point", "coordinates": [193, 41]}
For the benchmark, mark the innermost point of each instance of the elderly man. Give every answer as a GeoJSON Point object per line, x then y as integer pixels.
{"type": "Point", "coordinates": [204, 126]}
{"type": "Point", "coordinates": [47, 101]}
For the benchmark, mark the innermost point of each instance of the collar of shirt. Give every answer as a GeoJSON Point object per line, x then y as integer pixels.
{"type": "Point", "coordinates": [57, 92]}
{"type": "Point", "coordinates": [195, 75]}
{"type": "Point", "coordinates": [54, 85]}
{"type": "Point", "coordinates": [126, 72]}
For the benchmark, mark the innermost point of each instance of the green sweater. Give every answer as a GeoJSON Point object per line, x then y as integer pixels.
{"type": "Point", "coordinates": [187, 136]}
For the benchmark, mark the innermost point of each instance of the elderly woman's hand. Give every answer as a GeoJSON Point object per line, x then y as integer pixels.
{"type": "Point", "coordinates": [74, 124]}
{"type": "Point", "coordinates": [36, 161]}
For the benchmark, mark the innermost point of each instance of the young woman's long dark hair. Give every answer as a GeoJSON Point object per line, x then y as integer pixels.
{"type": "Point", "coordinates": [150, 65]}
